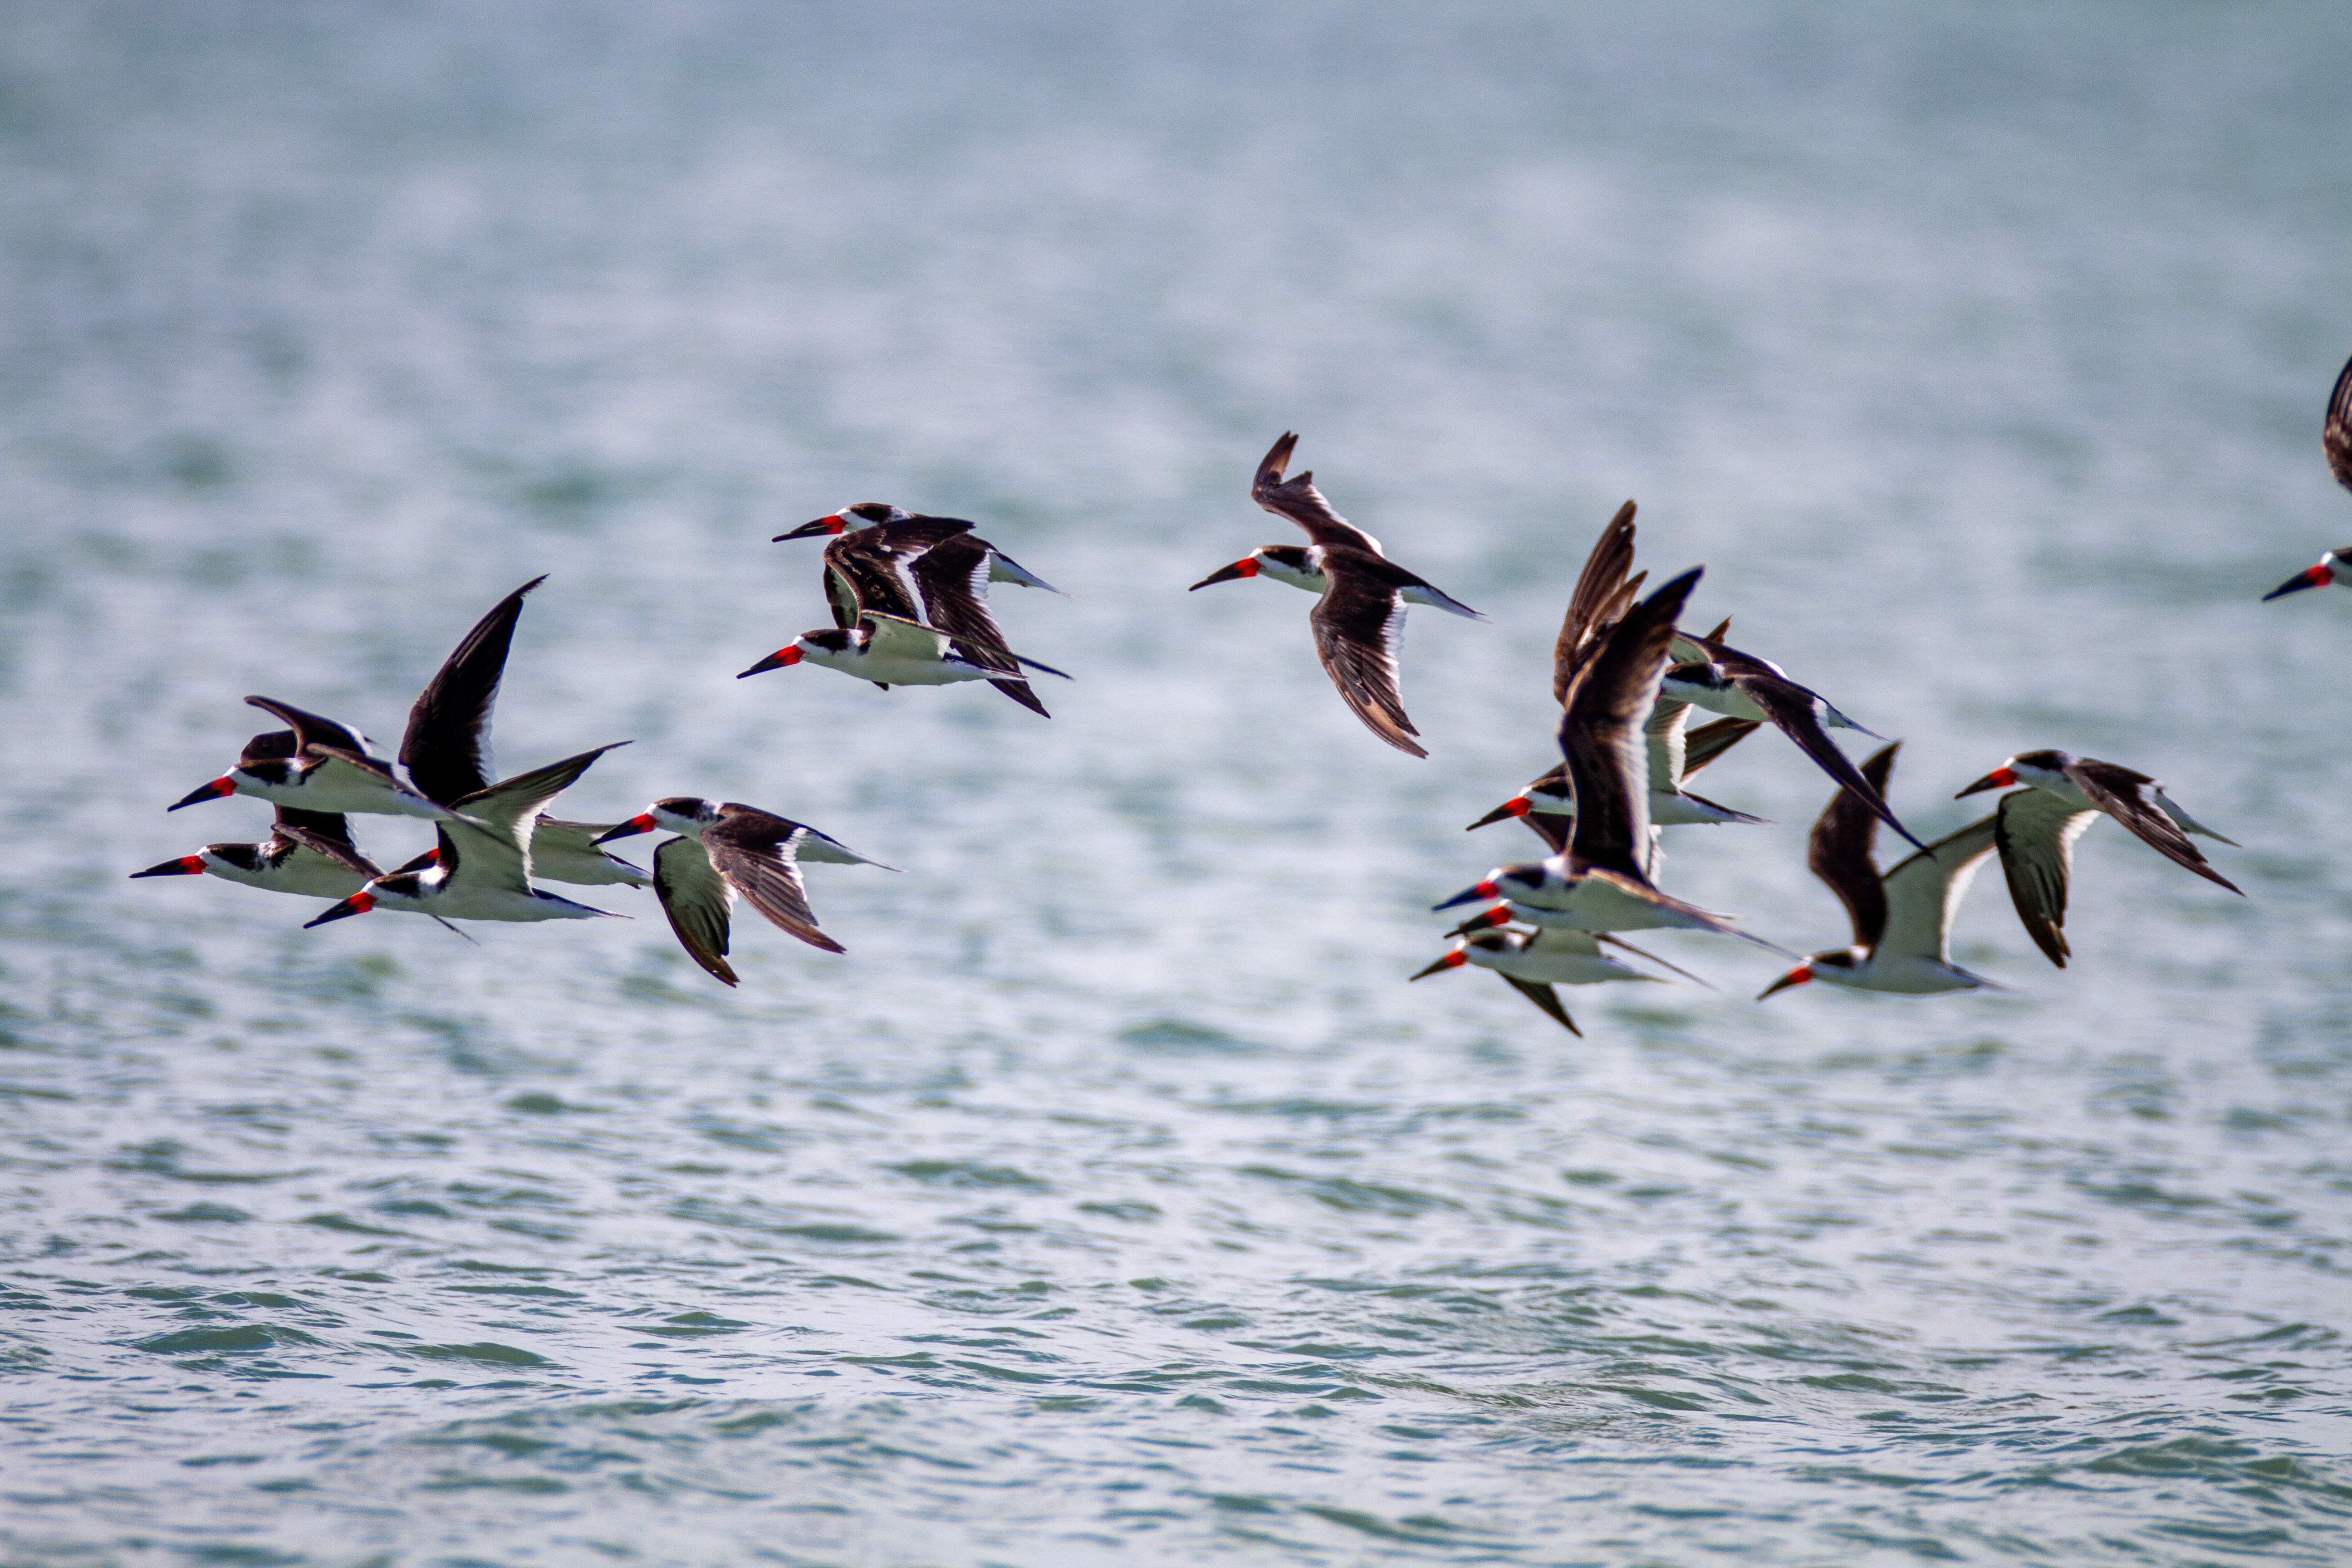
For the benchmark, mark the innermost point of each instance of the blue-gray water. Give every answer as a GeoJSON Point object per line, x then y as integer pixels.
{"type": "Point", "coordinates": [1114, 1199]}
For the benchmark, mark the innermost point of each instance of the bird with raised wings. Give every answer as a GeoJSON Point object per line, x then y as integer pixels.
{"type": "Point", "coordinates": [2335, 441]}
{"type": "Point", "coordinates": [1902, 920]}
{"type": "Point", "coordinates": [1358, 618]}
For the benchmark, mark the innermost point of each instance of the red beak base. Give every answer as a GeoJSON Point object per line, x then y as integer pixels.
{"type": "Point", "coordinates": [213, 791]}
{"type": "Point", "coordinates": [2000, 778]}
{"type": "Point", "coordinates": [776, 660]}
{"type": "Point", "coordinates": [636, 825]}
{"type": "Point", "coordinates": [1800, 975]}
{"type": "Point", "coordinates": [358, 903]}
{"type": "Point", "coordinates": [185, 866]}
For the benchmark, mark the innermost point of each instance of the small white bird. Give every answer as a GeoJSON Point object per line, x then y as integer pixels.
{"type": "Point", "coordinates": [728, 851]}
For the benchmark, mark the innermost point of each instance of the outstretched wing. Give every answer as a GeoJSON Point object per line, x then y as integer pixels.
{"type": "Point", "coordinates": [953, 578]}
{"type": "Point", "coordinates": [1600, 732]}
{"type": "Point", "coordinates": [494, 824]}
{"type": "Point", "coordinates": [1545, 997]}
{"type": "Point", "coordinates": [2035, 832]}
{"type": "Point", "coordinates": [2131, 799]}
{"type": "Point", "coordinates": [1708, 741]}
{"type": "Point", "coordinates": [862, 573]}
{"type": "Point", "coordinates": [696, 899]}
{"type": "Point", "coordinates": [1791, 707]}
{"type": "Point", "coordinates": [327, 834]}
{"type": "Point", "coordinates": [1839, 850]}
{"type": "Point", "coordinates": [1358, 624]}
{"type": "Point", "coordinates": [1302, 503]}
{"type": "Point", "coordinates": [1923, 892]}
{"type": "Point", "coordinates": [755, 856]}
{"type": "Point", "coordinates": [1602, 595]}
{"type": "Point", "coordinates": [446, 747]}
{"type": "Point", "coordinates": [310, 729]}
{"type": "Point", "coordinates": [2336, 435]}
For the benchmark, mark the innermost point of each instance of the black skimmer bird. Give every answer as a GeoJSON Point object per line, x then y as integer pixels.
{"type": "Point", "coordinates": [285, 862]}
{"type": "Point", "coordinates": [481, 869]}
{"type": "Point", "coordinates": [884, 558]}
{"type": "Point", "coordinates": [1535, 961]}
{"type": "Point", "coordinates": [446, 749]}
{"type": "Point", "coordinates": [2336, 440]}
{"type": "Point", "coordinates": [1598, 882]}
{"type": "Point", "coordinates": [724, 852]}
{"type": "Point", "coordinates": [2035, 829]}
{"type": "Point", "coordinates": [1722, 679]}
{"type": "Point", "coordinates": [325, 768]}
{"type": "Point", "coordinates": [890, 650]}
{"type": "Point", "coordinates": [1903, 921]}
{"type": "Point", "coordinates": [1677, 754]}
{"type": "Point", "coordinates": [1359, 619]}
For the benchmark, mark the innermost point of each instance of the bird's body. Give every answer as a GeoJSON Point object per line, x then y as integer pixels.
{"type": "Point", "coordinates": [2334, 567]}
{"type": "Point", "coordinates": [1723, 679]}
{"type": "Point", "coordinates": [2035, 829]}
{"type": "Point", "coordinates": [1361, 594]}
{"type": "Point", "coordinates": [1902, 921]}
{"type": "Point", "coordinates": [1598, 883]}
{"type": "Point", "coordinates": [932, 570]}
{"type": "Point", "coordinates": [1535, 961]}
{"type": "Point", "coordinates": [891, 650]}
{"type": "Point", "coordinates": [727, 851]}
{"type": "Point", "coordinates": [315, 765]}
{"type": "Point", "coordinates": [482, 867]}
{"type": "Point", "coordinates": [282, 863]}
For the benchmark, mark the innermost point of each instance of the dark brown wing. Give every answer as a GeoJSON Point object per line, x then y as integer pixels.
{"type": "Point", "coordinates": [1839, 850]}
{"type": "Point", "coordinates": [1600, 732]}
{"type": "Point", "coordinates": [753, 851]}
{"type": "Point", "coordinates": [1600, 597]}
{"type": "Point", "coordinates": [1302, 503]}
{"type": "Point", "coordinates": [2130, 798]}
{"type": "Point", "coordinates": [696, 899]}
{"type": "Point", "coordinates": [862, 573]}
{"type": "Point", "coordinates": [310, 729]}
{"type": "Point", "coordinates": [446, 747]}
{"type": "Point", "coordinates": [1358, 624]}
{"type": "Point", "coordinates": [2336, 435]}
{"type": "Point", "coordinates": [1708, 741]}
{"type": "Point", "coordinates": [1551, 828]}
{"type": "Point", "coordinates": [1791, 707]}
{"type": "Point", "coordinates": [953, 578]}
{"type": "Point", "coordinates": [1545, 997]}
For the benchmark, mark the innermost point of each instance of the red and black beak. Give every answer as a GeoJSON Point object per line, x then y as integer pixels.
{"type": "Point", "coordinates": [1497, 916]}
{"type": "Point", "coordinates": [1245, 567]}
{"type": "Point", "coordinates": [630, 829]}
{"type": "Point", "coordinates": [1518, 805]}
{"type": "Point", "coordinates": [2317, 576]}
{"type": "Point", "coordinates": [776, 660]}
{"type": "Point", "coordinates": [1797, 976]}
{"type": "Point", "coordinates": [213, 791]}
{"type": "Point", "coordinates": [185, 866]}
{"type": "Point", "coordinates": [359, 903]}
{"type": "Point", "coordinates": [2000, 778]}
{"type": "Point", "coordinates": [1467, 896]}
{"type": "Point", "coordinates": [823, 525]}
{"type": "Point", "coordinates": [1453, 960]}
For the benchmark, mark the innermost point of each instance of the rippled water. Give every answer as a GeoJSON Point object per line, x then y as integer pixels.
{"type": "Point", "coordinates": [1114, 1199]}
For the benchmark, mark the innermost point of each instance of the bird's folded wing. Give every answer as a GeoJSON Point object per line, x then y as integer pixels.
{"type": "Point", "coordinates": [896, 637]}
{"type": "Point", "coordinates": [310, 729]}
{"type": "Point", "coordinates": [335, 846]}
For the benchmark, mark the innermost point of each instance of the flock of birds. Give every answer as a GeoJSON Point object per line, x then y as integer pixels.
{"type": "Point", "coordinates": [908, 595]}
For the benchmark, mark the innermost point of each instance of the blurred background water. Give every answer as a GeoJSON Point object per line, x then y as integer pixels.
{"type": "Point", "coordinates": [1114, 1199]}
